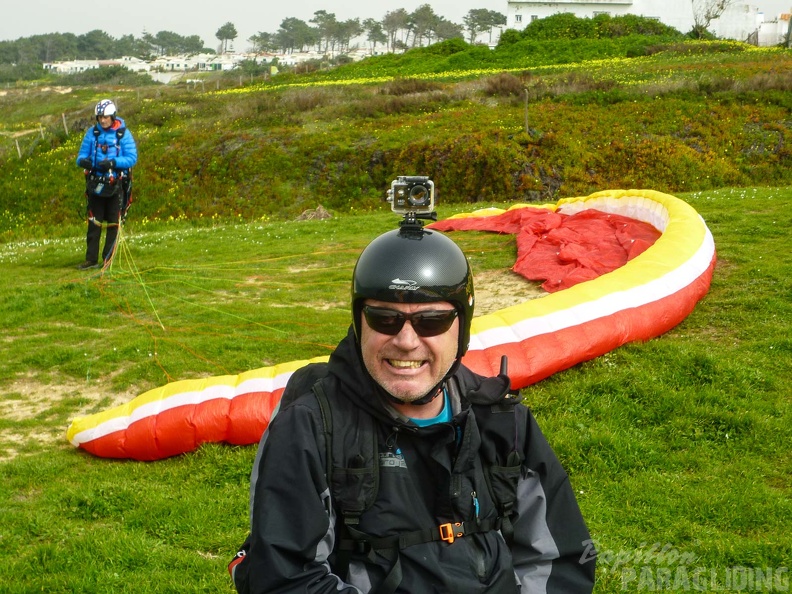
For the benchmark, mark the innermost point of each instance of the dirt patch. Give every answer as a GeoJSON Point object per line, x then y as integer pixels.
{"type": "Point", "coordinates": [36, 411]}
{"type": "Point", "coordinates": [497, 289]}
{"type": "Point", "coordinates": [27, 399]}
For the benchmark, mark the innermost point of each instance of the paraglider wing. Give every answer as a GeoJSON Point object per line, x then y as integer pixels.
{"type": "Point", "coordinates": [656, 288]}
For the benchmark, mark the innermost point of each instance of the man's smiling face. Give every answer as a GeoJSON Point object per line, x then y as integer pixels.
{"type": "Point", "coordinates": [406, 365]}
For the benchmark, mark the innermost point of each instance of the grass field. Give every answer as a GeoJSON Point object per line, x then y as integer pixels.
{"type": "Point", "coordinates": [680, 449]}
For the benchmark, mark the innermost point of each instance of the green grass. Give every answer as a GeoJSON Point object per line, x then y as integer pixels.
{"type": "Point", "coordinates": [682, 442]}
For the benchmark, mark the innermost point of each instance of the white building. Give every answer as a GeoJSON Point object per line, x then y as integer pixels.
{"type": "Point", "coordinates": [739, 21]}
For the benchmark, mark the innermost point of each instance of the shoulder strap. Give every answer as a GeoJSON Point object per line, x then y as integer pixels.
{"type": "Point", "coordinates": [119, 133]}
{"type": "Point", "coordinates": [351, 468]}
{"type": "Point", "coordinates": [352, 454]}
{"type": "Point", "coordinates": [502, 441]}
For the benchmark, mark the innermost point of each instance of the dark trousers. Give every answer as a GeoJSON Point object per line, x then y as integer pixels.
{"type": "Point", "coordinates": [100, 210]}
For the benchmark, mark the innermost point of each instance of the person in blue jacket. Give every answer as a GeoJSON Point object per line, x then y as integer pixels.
{"type": "Point", "coordinates": [107, 153]}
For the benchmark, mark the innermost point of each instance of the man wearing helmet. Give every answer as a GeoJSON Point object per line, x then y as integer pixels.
{"type": "Point", "coordinates": [107, 153]}
{"type": "Point", "coordinates": [394, 468]}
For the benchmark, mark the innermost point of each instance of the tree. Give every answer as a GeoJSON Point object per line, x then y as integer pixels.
{"type": "Point", "coordinates": [374, 33]}
{"type": "Point", "coordinates": [295, 34]}
{"type": "Point", "coordinates": [476, 21]}
{"type": "Point", "coordinates": [706, 11]}
{"type": "Point", "coordinates": [129, 46]}
{"type": "Point", "coordinates": [192, 44]}
{"type": "Point", "coordinates": [395, 21]}
{"type": "Point", "coordinates": [423, 23]}
{"type": "Point", "coordinates": [479, 20]}
{"type": "Point", "coordinates": [263, 42]}
{"type": "Point", "coordinates": [447, 30]}
{"type": "Point", "coordinates": [225, 34]}
{"type": "Point", "coordinates": [95, 45]}
{"type": "Point", "coordinates": [496, 19]}
{"type": "Point", "coordinates": [328, 28]}
{"type": "Point", "coordinates": [55, 46]}
{"type": "Point", "coordinates": [168, 43]}
{"type": "Point", "coordinates": [346, 31]}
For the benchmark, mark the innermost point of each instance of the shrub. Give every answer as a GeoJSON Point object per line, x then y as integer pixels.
{"type": "Point", "coordinates": [503, 85]}
{"type": "Point", "coordinates": [508, 37]}
{"type": "Point", "coordinates": [568, 26]}
{"type": "Point", "coordinates": [630, 24]}
{"type": "Point", "coordinates": [563, 25]}
{"type": "Point", "coordinates": [107, 75]}
{"type": "Point", "coordinates": [11, 73]}
{"type": "Point", "coordinates": [305, 99]}
{"type": "Point", "coordinates": [694, 48]}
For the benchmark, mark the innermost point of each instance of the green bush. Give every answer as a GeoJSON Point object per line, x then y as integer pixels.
{"type": "Point", "coordinates": [566, 25]}
{"type": "Point", "coordinates": [12, 73]}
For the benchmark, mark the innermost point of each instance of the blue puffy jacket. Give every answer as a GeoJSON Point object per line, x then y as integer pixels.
{"type": "Point", "coordinates": [115, 143]}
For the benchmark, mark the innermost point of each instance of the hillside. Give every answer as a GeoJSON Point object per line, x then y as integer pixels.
{"type": "Point", "coordinates": [536, 122]}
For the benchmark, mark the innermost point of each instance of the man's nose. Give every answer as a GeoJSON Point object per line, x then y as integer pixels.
{"type": "Point", "coordinates": [407, 338]}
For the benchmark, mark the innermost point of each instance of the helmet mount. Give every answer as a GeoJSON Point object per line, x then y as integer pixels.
{"type": "Point", "coordinates": [413, 222]}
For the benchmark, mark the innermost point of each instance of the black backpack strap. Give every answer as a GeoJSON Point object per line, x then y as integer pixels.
{"type": "Point", "coordinates": [502, 440]}
{"type": "Point", "coordinates": [327, 422]}
{"type": "Point", "coordinates": [351, 468]}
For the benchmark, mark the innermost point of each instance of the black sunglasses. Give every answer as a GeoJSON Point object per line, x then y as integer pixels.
{"type": "Point", "coordinates": [425, 323]}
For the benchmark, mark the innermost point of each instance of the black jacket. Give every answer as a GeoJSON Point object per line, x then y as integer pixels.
{"type": "Point", "coordinates": [437, 477]}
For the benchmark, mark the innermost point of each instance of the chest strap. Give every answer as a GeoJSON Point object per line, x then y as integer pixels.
{"type": "Point", "coordinates": [361, 543]}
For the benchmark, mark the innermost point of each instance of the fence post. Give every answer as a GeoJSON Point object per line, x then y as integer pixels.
{"type": "Point", "coordinates": [65, 127]}
{"type": "Point", "coordinates": [19, 152]}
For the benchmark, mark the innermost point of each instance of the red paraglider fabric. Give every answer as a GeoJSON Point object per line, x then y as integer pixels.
{"type": "Point", "coordinates": [564, 250]}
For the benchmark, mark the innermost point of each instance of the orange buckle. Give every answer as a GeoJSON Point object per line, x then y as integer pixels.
{"type": "Point", "coordinates": [447, 531]}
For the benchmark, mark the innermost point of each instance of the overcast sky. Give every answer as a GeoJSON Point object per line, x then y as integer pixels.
{"type": "Point", "coordinates": [23, 18]}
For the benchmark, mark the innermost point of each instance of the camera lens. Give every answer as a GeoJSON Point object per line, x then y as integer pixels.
{"type": "Point", "coordinates": [419, 196]}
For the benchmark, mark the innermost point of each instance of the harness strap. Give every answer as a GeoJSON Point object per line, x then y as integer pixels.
{"type": "Point", "coordinates": [390, 546]}
{"type": "Point", "coordinates": [119, 134]}
{"type": "Point", "coordinates": [362, 543]}
{"type": "Point", "coordinates": [346, 476]}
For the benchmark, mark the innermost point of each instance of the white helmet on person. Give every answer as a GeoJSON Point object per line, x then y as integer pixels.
{"type": "Point", "coordinates": [105, 108]}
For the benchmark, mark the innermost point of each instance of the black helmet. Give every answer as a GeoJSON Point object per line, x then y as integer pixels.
{"type": "Point", "coordinates": [414, 267]}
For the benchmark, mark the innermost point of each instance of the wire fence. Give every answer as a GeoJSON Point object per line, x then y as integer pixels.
{"type": "Point", "coordinates": [26, 141]}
